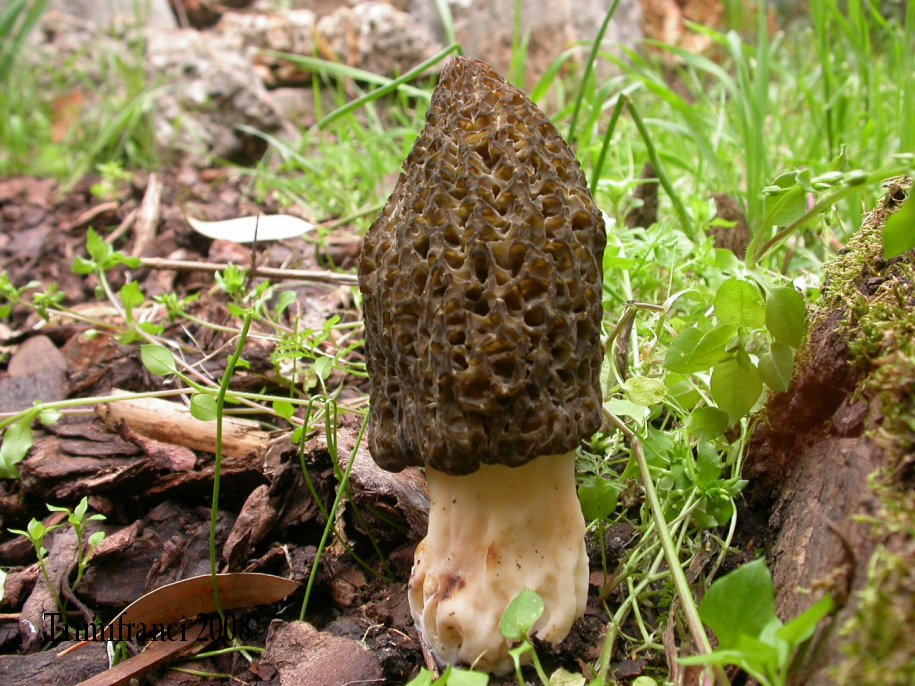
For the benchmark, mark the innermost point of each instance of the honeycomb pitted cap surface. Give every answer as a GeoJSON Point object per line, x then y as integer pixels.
{"type": "Point", "coordinates": [482, 287]}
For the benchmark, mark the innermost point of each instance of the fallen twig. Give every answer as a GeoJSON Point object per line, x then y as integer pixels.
{"type": "Point", "coordinates": [310, 275]}
{"type": "Point", "coordinates": [148, 217]}
{"type": "Point", "coordinates": [90, 214]}
{"type": "Point", "coordinates": [125, 226]}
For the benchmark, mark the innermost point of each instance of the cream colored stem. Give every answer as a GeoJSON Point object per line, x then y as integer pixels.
{"type": "Point", "coordinates": [492, 534]}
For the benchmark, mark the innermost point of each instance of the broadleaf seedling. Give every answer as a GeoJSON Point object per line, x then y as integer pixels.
{"type": "Point", "coordinates": [521, 614]}
{"type": "Point", "coordinates": [740, 303]}
{"type": "Point", "coordinates": [203, 407]}
{"type": "Point", "coordinates": [740, 608]}
{"type": "Point", "coordinates": [736, 386]}
{"type": "Point", "coordinates": [17, 441]}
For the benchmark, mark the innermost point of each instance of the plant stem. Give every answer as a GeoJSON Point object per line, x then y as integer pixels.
{"type": "Point", "coordinates": [663, 178]}
{"type": "Point", "coordinates": [697, 631]}
{"type": "Point", "coordinates": [589, 66]}
{"type": "Point", "coordinates": [341, 489]}
{"type": "Point", "coordinates": [217, 467]}
{"type": "Point", "coordinates": [309, 275]}
{"type": "Point", "coordinates": [611, 127]}
{"type": "Point", "coordinates": [387, 88]}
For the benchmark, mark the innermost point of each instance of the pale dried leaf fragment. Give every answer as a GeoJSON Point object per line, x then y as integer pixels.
{"type": "Point", "coordinates": [263, 227]}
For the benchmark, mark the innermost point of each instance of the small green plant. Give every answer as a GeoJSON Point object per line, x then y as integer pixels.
{"type": "Point", "coordinates": [796, 198]}
{"type": "Point", "coordinates": [102, 257]}
{"type": "Point", "coordinates": [85, 547]}
{"type": "Point", "coordinates": [114, 179]}
{"type": "Point", "coordinates": [36, 532]}
{"type": "Point", "coordinates": [740, 608]}
{"type": "Point", "coordinates": [452, 676]}
{"type": "Point", "coordinates": [17, 20]}
{"type": "Point", "coordinates": [749, 326]}
{"type": "Point", "coordinates": [232, 281]}
{"type": "Point", "coordinates": [17, 438]}
{"type": "Point", "coordinates": [42, 302]}
{"type": "Point", "coordinates": [517, 624]}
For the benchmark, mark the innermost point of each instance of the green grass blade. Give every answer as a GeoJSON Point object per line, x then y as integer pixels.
{"type": "Point", "coordinates": [907, 116]}
{"type": "Point", "coordinates": [589, 67]}
{"type": "Point", "coordinates": [16, 24]}
{"type": "Point", "coordinates": [546, 81]}
{"type": "Point", "coordinates": [343, 71]}
{"type": "Point", "coordinates": [390, 87]}
{"type": "Point", "coordinates": [663, 178]}
{"type": "Point", "coordinates": [444, 13]}
{"type": "Point", "coordinates": [605, 145]}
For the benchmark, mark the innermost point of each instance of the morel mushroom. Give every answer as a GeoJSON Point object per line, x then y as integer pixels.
{"type": "Point", "coordinates": [482, 304]}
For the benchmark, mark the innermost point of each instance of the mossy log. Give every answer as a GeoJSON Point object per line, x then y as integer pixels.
{"type": "Point", "coordinates": [832, 467]}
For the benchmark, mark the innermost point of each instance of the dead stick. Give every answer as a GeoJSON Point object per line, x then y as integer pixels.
{"type": "Point", "coordinates": [90, 214]}
{"type": "Point", "coordinates": [312, 275]}
{"type": "Point", "coordinates": [148, 217]}
{"type": "Point", "coordinates": [158, 652]}
{"type": "Point", "coordinates": [125, 226]}
{"type": "Point", "coordinates": [173, 423]}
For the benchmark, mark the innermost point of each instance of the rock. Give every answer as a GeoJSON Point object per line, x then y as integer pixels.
{"type": "Point", "coordinates": [36, 354]}
{"type": "Point", "coordinates": [208, 85]}
{"type": "Point", "coordinates": [87, 48]}
{"type": "Point", "coordinates": [294, 105]}
{"type": "Point", "coordinates": [485, 28]}
{"type": "Point", "coordinates": [376, 37]}
{"type": "Point", "coordinates": [373, 36]}
{"type": "Point", "coordinates": [211, 89]}
{"type": "Point", "coordinates": [291, 32]}
{"type": "Point", "coordinates": [110, 13]}
{"type": "Point", "coordinates": [37, 372]}
{"type": "Point", "coordinates": [203, 13]}
{"type": "Point", "coordinates": [303, 656]}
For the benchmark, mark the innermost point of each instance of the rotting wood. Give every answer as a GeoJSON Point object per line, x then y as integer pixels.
{"type": "Point", "coordinates": [173, 423]}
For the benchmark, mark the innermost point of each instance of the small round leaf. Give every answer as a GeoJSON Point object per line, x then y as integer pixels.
{"type": "Point", "coordinates": [786, 316]}
{"type": "Point", "coordinates": [203, 407]}
{"type": "Point", "coordinates": [706, 423]}
{"type": "Point", "coordinates": [157, 359]}
{"type": "Point", "coordinates": [740, 303]}
{"type": "Point", "coordinates": [735, 387]}
{"type": "Point", "coordinates": [521, 615]}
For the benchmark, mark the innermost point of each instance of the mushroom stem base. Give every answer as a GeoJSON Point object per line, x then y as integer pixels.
{"type": "Point", "coordinates": [492, 534]}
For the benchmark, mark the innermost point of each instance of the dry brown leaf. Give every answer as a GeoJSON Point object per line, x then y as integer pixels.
{"type": "Point", "coordinates": [185, 600]}
{"type": "Point", "coordinates": [188, 598]}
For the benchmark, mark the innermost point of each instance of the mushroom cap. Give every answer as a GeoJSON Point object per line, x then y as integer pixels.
{"type": "Point", "coordinates": [481, 280]}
